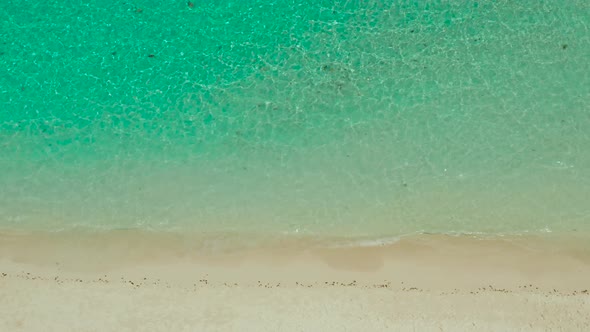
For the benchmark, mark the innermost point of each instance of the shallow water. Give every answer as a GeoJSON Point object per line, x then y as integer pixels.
{"type": "Point", "coordinates": [356, 118]}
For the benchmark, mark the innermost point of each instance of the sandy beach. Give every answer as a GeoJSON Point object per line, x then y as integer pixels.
{"type": "Point", "coordinates": [131, 281]}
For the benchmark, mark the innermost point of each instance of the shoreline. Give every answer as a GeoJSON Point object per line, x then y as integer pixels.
{"type": "Point", "coordinates": [560, 257]}
{"type": "Point", "coordinates": [425, 282]}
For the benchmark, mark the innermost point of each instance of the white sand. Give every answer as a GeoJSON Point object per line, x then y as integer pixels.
{"type": "Point", "coordinates": [428, 283]}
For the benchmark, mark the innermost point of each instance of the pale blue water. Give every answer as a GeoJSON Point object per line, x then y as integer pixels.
{"type": "Point", "coordinates": [356, 118]}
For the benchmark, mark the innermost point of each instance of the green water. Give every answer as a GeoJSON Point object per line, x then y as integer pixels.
{"type": "Point", "coordinates": [356, 118]}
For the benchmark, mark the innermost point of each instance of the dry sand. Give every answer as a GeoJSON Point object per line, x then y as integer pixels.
{"type": "Point", "coordinates": [130, 281]}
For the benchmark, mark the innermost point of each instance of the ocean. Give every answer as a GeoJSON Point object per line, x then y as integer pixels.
{"type": "Point", "coordinates": [360, 119]}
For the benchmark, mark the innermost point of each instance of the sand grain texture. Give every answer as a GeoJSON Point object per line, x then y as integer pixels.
{"type": "Point", "coordinates": [429, 283]}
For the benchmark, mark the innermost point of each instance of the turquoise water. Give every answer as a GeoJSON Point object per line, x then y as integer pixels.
{"type": "Point", "coordinates": [356, 118]}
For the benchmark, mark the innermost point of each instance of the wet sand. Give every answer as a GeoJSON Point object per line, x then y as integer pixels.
{"type": "Point", "coordinates": [131, 280]}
